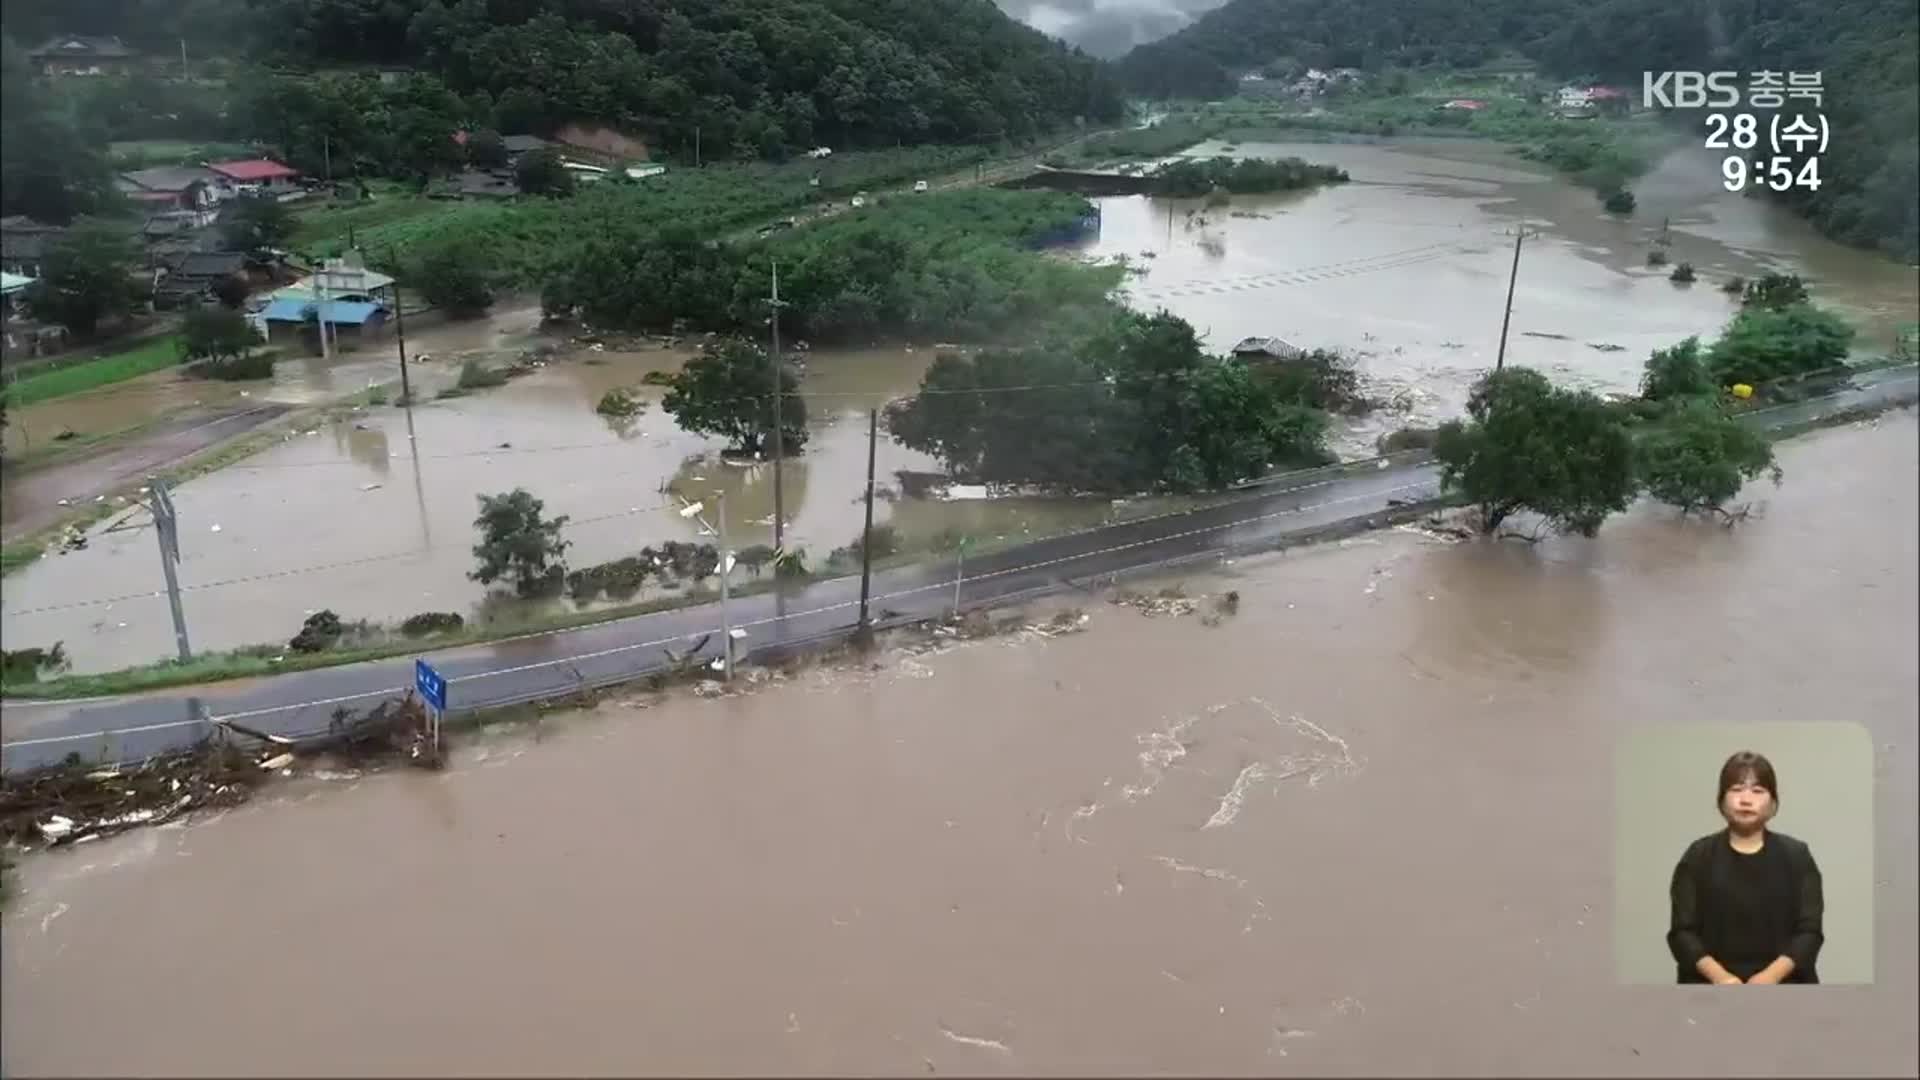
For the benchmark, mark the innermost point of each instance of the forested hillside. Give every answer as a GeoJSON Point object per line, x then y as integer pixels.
{"type": "Point", "coordinates": [1868, 50]}
{"type": "Point", "coordinates": [752, 77]}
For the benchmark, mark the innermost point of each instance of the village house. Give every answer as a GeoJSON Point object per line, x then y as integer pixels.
{"type": "Point", "coordinates": [191, 277]}
{"type": "Point", "coordinates": [519, 146]}
{"type": "Point", "coordinates": [187, 189]}
{"type": "Point", "coordinates": [258, 175]}
{"type": "Point", "coordinates": [24, 243]}
{"type": "Point", "coordinates": [288, 320]}
{"type": "Point", "coordinates": [340, 279]}
{"type": "Point", "coordinates": [80, 54]}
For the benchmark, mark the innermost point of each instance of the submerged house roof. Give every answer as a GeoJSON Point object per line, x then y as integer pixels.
{"type": "Point", "coordinates": [1268, 346]}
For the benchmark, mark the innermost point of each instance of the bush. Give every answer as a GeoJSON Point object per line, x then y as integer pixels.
{"type": "Point", "coordinates": [476, 376]}
{"type": "Point", "coordinates": [1676, 372]}
{"type": "Point", "coordinates": [1682, 274]}
{"type": "Point", "coordinates": [429, 623]}
{"type": "Point", "coordinates": [27, 665]}
{"type": "Point", "coordinates": [1618, 201]}
{"type": "Point", "coordinates": [318, 634]}
{"type": "Point", "coordinates": [1404, 439]}
{"type": "Point", "coordinates": [1657, 257]}
{"type": "Point", "coordinates": [619, 404]}
{"type": "Point", "coordinates": [257, 364]}
{"type": "Point", "coordinates": [1735, 285]}
{"type": "Point", "coordinates": [620, 579]}
{"type": "Point", "coordinates": [1762, 344]}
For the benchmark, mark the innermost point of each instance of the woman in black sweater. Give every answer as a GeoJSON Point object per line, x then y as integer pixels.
{"type": "Point", "coordinates": [1746, 900]}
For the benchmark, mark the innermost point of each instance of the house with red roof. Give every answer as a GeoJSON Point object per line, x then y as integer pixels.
{"type": "Point", "coordinates": [257, 175]}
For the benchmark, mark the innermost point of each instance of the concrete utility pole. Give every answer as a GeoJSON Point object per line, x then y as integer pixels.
{"type": "Point", "coordinates": [400, 336]}
{"type": "Point", "coordinates": [866, 534]}
{"type": "Point", "coordinates": [779, 440]}
{"type": "Point", "coordinates": [320, 308]}
{"type": "Point", "coordinates": [1500, 360]}
{"type": "Point", "coordinates": [726, 564]}
{"type": "Point", "coordinates": [166, 527]}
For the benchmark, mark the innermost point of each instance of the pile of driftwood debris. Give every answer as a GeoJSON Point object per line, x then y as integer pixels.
{"type": "Point", "coordinates": [76, 801]}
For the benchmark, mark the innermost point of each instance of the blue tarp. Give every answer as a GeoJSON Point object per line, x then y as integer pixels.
{"type": "Point", "coordinates": [336, 312]}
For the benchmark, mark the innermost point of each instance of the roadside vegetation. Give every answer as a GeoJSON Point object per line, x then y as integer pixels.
{"type": "Point", "coordinates": [154, 354]}
{"type": "Point", "coordinates": [1574, 459]}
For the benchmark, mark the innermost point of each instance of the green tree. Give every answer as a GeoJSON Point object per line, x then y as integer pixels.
{"type": "Point", "coordinates": [1676, 372]}
{"type": "Point", "coordinates": [1528, 445]}
{"type": "Point", "coordinates": [541, 172]}
{"type": "Point", "coordinates": [518, 544]}
{"type": "Point", "coordinates": [256, 223]}
{"type": "Point", "coordinates": [232, 290]}
{"type": "Point", "coordinates": [1766, 343]}
{"type": "Point", "coordinates": [87, 278]}
{"type": "Point", "coordinates": [1618, 201]}
{"type": "Point", "coordinates": [486, 150]}
{"type": "Point", "coordinates": [50, 171]}
{"type": "Point", "coordinates": [454, 277]}
{"type": "Point", "coordinates": [1697, 457]}
{"type": "Point", "coordinates": [728, 390]}
{"type": "Point", "coordinates": [1775, 291]}
{"type": "Point", "coordinates": [216, 333]}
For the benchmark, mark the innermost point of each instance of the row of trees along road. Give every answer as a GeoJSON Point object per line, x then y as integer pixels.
{"type": "Point", "coordinates": [1575, 459]}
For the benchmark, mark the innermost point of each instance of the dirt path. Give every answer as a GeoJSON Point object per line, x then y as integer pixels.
{"type": "Point", "coordinates": [40, 498]}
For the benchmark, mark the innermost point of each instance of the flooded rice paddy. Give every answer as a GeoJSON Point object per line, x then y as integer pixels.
{"type": "Point", "coordinates": [1405, 267]}
{"type": "Point", "coordinates": [1361, 827]}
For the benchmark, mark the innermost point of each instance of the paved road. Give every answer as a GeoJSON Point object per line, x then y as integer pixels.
{"type": "Point", "coordinates": [542, 665]}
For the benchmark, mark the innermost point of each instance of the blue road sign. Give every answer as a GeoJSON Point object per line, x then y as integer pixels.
{"type": "Point", "coordinates": [432, 684]}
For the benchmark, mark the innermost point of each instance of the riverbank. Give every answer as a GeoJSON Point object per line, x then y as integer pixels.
{"type": "Point", "coordinates": [978, 823]}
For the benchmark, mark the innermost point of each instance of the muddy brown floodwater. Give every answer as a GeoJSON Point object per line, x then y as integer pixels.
{"type": "Point", "coordinates": [1406, 267]}
{"type": "Point", "coordinates": [1148, 846]}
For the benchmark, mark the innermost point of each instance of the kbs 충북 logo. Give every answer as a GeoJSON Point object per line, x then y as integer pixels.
{"type": "Point", "coordinates": [1723, 89]}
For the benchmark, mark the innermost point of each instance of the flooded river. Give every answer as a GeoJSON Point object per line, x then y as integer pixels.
{"type": "Point", "coordinates": [1149, 846]}
{"type": "Point", "coordinates": [1406, 267]}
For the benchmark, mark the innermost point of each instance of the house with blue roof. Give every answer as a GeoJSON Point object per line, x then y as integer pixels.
{"type": "Point", "coordinates": [290, 319]}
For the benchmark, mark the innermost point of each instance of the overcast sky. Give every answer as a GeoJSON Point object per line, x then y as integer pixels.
{"type": "Point", "coordinates": [1107, 27]}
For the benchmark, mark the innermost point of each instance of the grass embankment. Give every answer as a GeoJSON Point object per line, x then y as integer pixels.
{"type": "Point", "coordinates": [156, 354]}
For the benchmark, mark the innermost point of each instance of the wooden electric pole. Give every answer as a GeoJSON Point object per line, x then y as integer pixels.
{"type": "Point", "coordinates": [1513, 276]}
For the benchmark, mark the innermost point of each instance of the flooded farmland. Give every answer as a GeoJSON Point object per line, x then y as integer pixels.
{"type": "Point", "coordinates": [1151, 846]}
{"type": "Point", "coordinates": [1405, 267]}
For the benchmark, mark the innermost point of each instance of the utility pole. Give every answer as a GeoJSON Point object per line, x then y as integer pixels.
{"type": "Point", "coordinates": [166, 525]}
{"type": "Point", "coordinates": [326, 156]}
{"type": "Point", "coordinates": [183, 59]}
{"type": "Point", "coordinates": [320, 307]}
{"type": "Point", "coordinates": [779, 439]}
{"type": "Point", "coordinates": [1500, 360]}
{"type": "Point", "coordinates": [866, 534]}
{"type": "Point", "coordinates": [400, 335]}
{"type": "Point", "coordinates": [726, 564]}
{"type": "Point", "coordinates": [696, 146]}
